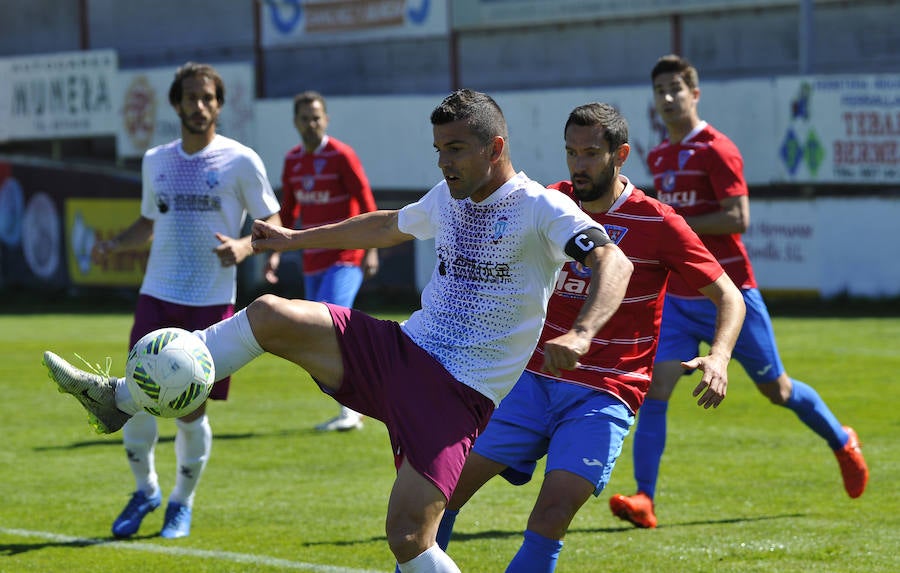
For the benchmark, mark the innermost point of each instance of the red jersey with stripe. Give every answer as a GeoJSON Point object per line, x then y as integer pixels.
{"type": "Point", "coordinates": [693, 176]}
{"type": "Point", "coordinates": [325, 186]}
{"type": "Point", "coordinates": [658, 242]}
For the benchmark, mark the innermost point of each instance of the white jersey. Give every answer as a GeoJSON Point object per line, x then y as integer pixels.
{"type": "Point", "coordinates": [190, 198]}
{"type": "Point", "coordinates": [497, 261]}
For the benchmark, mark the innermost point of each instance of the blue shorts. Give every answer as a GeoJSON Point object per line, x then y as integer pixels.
{"type": "Point", "coordinates": [338, 284]}
{"type": "Point", "coordinates": [688, 322]}
{"type": "Point", "coordinates": [580, 430]}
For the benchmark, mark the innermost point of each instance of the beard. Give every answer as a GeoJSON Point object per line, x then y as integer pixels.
{"type": "Point", "coordinates": [192, 127]}
{"type": "Point", "coordinates": [599, 186]}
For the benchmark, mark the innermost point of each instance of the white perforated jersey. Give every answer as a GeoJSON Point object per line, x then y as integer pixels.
{"type": "Point", "coordinates": [497, 261]}
{"type": "Point", "coordinates": [190, 198]}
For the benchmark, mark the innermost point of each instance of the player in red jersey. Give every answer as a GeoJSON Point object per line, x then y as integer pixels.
{"type": "Point", "coordinates": [579, 418]}
{"type": "Point", "coordinates": [323, 182]}
{"type": "Point", "coordinates": [699, 172]}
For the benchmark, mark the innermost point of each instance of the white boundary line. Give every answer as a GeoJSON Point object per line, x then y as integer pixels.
{"type": "Point", "coordinates": [183, 551]}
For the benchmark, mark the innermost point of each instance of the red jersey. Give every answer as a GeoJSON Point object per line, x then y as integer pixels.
{"type": "Point", "coordinates": [657, 241]}
{"type": "Point", "coordinates": [693, 176]}
{"type": "Point", "coordinates": [325, 186]}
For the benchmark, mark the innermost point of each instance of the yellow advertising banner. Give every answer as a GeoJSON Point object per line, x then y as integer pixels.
{"type": "Point", "coordinates": [89, 220]}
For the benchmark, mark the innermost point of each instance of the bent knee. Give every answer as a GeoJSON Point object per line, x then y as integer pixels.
{"type": "Point", "coordinates": [778, 392]}
{"type": "Point", "coordinates": [406, 543]}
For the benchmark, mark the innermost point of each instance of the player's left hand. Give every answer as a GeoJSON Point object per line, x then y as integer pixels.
{"type": "Point", "coordinates": [231, 251]}
{"type": "Point", "coordinates": [714, 382]}
{"type": "Point", "coordinates": [268, 237]}
{"type": "Point", "coordinates": [563, 352]}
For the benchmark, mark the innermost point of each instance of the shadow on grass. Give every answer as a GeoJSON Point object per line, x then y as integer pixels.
{"type": "Point", "coordinates": [499, 534]}
{"type": "Point", "coordinates": [162, 440]}
{"type": "Point", "coordinates": [11, 549]}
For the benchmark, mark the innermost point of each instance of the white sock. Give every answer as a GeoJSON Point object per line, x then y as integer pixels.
{"type": "Point", "coordinates": [348, 413]}
{"type": "Point", "coordinates": [193, 442]}
{"type": "Point", "coordinates": [139, 436]}
{"type": "Point", "coordinates": [432, 560]}
{"type": "Point", "coordinates": [124, 401]}
{"type": "Point", "coordinates": [231, 343]}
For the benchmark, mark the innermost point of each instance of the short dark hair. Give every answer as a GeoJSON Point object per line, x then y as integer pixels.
{"type": "Point", "coordinates": [615, 128]}
{"type": "Point", "coordinates": [192, 69]}
{"type": "Point", "coordinates": [308, 97]}
{"type": "Point", "coordinates": [477, 109]}
{"type": "Point", "coordinates": [673, 63]}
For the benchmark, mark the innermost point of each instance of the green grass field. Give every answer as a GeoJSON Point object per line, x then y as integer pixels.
{"type": "Point", "coordinates": [743, 488]}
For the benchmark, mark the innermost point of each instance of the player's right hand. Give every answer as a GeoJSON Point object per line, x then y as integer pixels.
{"type": "Point", "coordinates": [101, 250]}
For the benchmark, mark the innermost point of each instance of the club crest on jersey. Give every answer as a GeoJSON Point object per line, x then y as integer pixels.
{"type": "Point", "coordinates": [319, 165]}
{"type": "Point", "coordinates": [499, 229]}
{"type": "Point", "coordinates": [668, 181]}
{"type": "Point", "coordinates": [212, 178]}
{"type": "Point", "coordinates": [615, 232]}
{"type": "Point", "coordinates": [308, 182]}
{"type": "Point", "coordinates": [683, 157]}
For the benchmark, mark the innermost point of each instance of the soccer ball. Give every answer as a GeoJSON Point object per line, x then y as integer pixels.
{"type": "Point", "coordinates": [169, 372]}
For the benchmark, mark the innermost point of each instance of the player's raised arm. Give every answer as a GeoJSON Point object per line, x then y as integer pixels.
{"type": "Point", "coordinates": [368, 230]}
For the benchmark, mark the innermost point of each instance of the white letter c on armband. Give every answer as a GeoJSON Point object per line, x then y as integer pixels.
{"type": "Point", "coordinates": [584, 243]}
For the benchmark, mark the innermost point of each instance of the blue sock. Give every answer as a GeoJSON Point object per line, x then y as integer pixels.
{"type": "Point", "coordinates": [445, 529]}
{"type": "Point", "coordinates": [649, 444]}
{"type": "Point", "coordinates": [812, 411]}
{"type": "Point", "coordinates": [537, 555]}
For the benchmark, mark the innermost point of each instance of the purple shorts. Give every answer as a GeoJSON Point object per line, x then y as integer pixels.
{"type": "Point", "coordinates": [432, 418]}
{"type": "Point", "coordinates": [152, 313]}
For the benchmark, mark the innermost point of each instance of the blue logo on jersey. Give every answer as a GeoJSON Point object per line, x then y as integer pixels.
{"type": "Point", "coordinates": [319, 165]}
{"type": "Point", "coordinates": [579, 270]}
{"type": "Point", "coordinates": [668, 181]}
{"type": "Point", "coordinates": [615, 232]}
{"type": "Point", "coordinates": [683, 157]}
{"type": "Point", "coordinates": [212, 178]}
{"type": "Point", "coordinates": [499, 229]}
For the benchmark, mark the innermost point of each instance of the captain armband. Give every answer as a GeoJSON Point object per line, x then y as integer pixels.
{"type": "Point", "coordinates": [584, 242]}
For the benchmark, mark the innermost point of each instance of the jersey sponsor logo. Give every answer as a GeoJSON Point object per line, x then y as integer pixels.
{"type": "Point", "coordinates": [212, 178]}
{"type": "Point", "coordinates": [198, 203]}
{"type": "Point", "coordinates": [311, 197]}
{"type": "Point", "coordinates": [615, 232]}
{"type": "Point", "coordinates": [462, 268]}
{"type": "Point", "coordinates": [570, 281]}
{"type": "Point", "coordinates": [679, 198]}
{"type": "Point", "coordinates": [499, 229]}
{"type": "Point", "coordinates": [683, 157]}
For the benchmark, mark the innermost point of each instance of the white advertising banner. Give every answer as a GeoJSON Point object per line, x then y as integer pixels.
{"type": "Point", "coordinates": [492, 13]}
{"type": "Point", "coordinates": [838, 129]}
{"type": "Point", "coordinates": [145, 118]}
{"type": "Point", "coordinates": [291, 22]}
{"type": "Point", "coordinates": [783, 244]}
{"type": "Point", "coordinates": [50, 96]}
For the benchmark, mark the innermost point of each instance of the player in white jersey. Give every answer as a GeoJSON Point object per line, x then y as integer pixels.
{"type": "Point", "coordinates": [196, 193]}
{"type": "Point", "coordinates": [433, 381]}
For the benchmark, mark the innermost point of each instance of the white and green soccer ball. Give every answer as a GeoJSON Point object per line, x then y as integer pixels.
{"type": "Point", "coordinates": [169, 372]}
